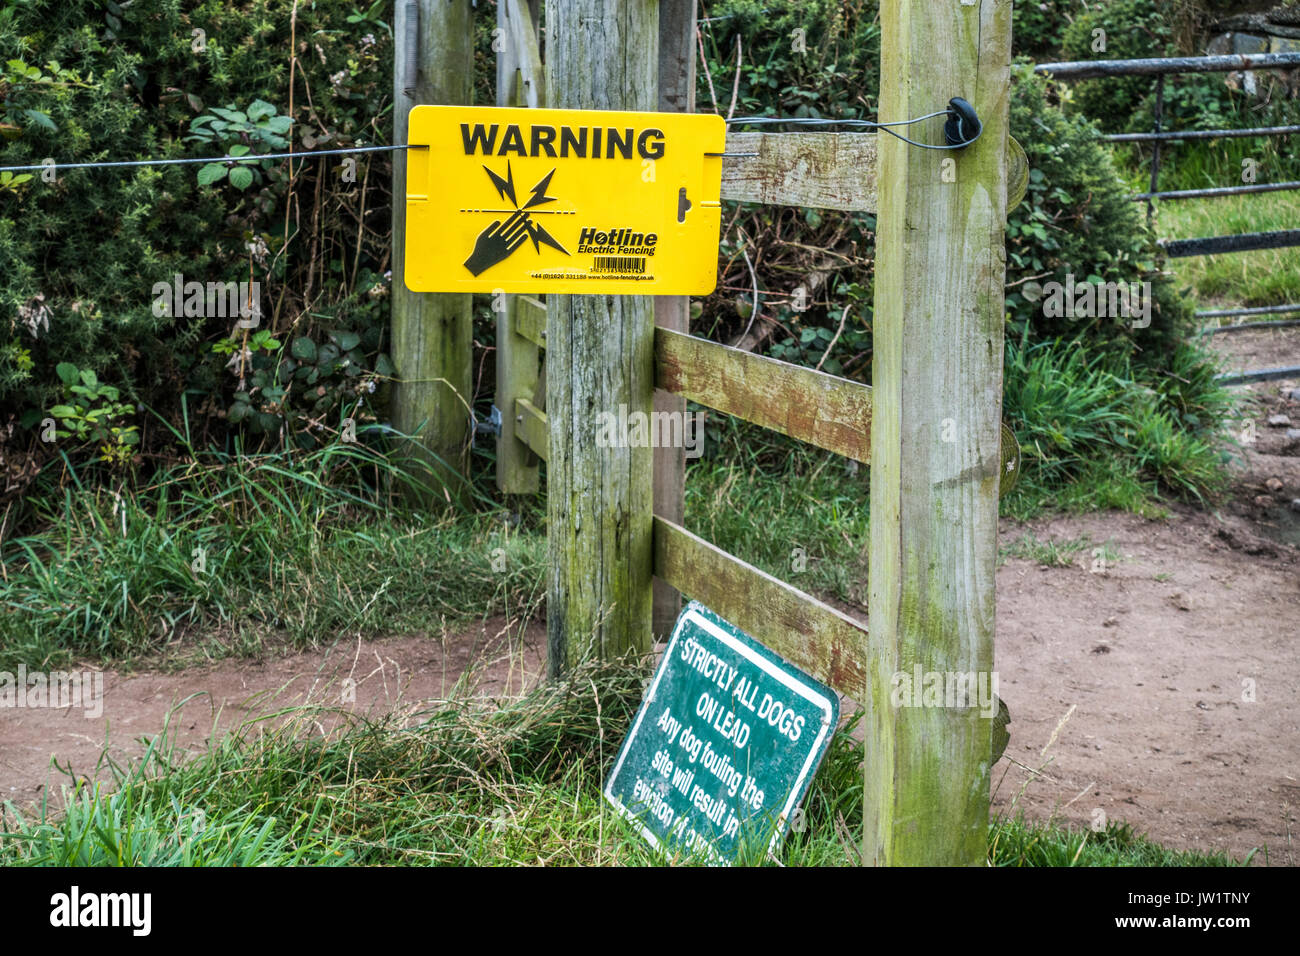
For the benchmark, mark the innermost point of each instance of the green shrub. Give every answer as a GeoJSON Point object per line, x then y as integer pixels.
{"type": "Point", "coordinates": [1130, 29]}
{"type": "Point", "coordinates": [1077, 218]}
{"type": "Point", "coordinates": [1038, 25]}
{"type": "Point", "coordinates": [86, 80]}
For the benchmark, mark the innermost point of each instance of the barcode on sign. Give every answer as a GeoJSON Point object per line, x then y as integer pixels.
{"type": "Point", "coordinates": [619, 264]}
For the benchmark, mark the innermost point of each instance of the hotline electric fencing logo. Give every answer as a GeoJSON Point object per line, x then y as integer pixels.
{"type": "Point", "coordinates": [499, 241]}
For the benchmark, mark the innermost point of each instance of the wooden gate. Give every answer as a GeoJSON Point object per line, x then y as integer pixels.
{"type": "Point", "coordinates": [929, 428]}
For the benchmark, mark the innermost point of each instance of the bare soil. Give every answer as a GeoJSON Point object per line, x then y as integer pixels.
{"type": "Point", "coordinates": [1154, 682]}
{"type": "Point", "coordinates": [493, 661]}
{"type": "Point", "coordinates": [1169, 678]}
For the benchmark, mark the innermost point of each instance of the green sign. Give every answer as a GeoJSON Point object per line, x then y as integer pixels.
{"type": "Point", "coordinates": [725, 743]}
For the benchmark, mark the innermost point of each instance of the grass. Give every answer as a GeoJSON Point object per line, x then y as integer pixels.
{"type": "Point", "coordinates": [1052, 554]}
{"type": "Point", "coordinates": [459, 785]}
{"type": "Point", "coordinates": [1237, 279]}
{"type": "Point", "coordinates": [1015, 842]}
{"type": "Point", "coordinates": [1095, 436]}
{"type": "Point", "coordinates": [794, 511]}
{"type": "Point", "coordinates": [231, 552]}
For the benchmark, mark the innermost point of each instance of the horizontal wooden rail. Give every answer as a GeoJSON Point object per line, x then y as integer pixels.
{"type": "Point", "coordinates": [829, 645]}
{"type": "Point", "coordinates": [530, 426]}
{"type": "Point", "coordinates": [823, 410]}
{"type": "Point", "coordinates": [530, 320]}
{"type": "Point", "coordinates": [825, 170]}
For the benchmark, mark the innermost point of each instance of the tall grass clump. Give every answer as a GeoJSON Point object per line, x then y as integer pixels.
{"type": "Point", "coordinates": [302, 546]}
{"type": "Point", "coordinates": [1095, 431]}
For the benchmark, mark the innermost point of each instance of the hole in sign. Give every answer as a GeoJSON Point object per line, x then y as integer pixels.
{"type": "Point", "coordinates": [683, 204]}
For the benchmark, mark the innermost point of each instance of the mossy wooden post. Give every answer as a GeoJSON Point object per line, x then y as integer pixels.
{"type": "Point", "coordinates": [518, 77]}
{"type": "Point", "coordinates": [600, 54]}
{"type": "Point", "coordinates": [676, 95]}
{"type": "Point", "coordinates": [937, 380]}
{"type": "Point", "coordinates": [432, 333]}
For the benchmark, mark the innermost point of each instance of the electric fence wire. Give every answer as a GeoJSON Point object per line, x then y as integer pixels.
{"type": "Point", "coordinates": [860, 124]}
{"type": "Point", "coordinates": [307, 154]}
{"type": "Point", "coordinates": [228, 160]}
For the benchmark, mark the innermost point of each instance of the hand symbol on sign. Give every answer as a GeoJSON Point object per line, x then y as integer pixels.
{"type": "Point", "coordinates": [498, 241]}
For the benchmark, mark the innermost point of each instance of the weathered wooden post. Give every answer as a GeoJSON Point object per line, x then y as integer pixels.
{"type": "Point", "coordinates": [432, 333]}
{"type": "Point", "coordinates": [676, 95]}
{"type": "Point", "coordinates": [519, 78]}
{"type": "Point", "coordinates": [937, 379]}
{"type": "Point", "coordinates": [600, 54]}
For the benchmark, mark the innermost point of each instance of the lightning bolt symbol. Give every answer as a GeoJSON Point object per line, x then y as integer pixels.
{"type": "Point", "coordinates": [535, 230]}
{"type": "Point", "coordinates": [506, 187]}
{"type": "Point", "coordinates": [539, 191]}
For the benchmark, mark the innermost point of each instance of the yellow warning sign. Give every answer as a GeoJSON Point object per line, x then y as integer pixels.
{"type": "Point", "coordinates": [571, 201]}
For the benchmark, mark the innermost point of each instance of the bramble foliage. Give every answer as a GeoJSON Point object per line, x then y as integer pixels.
{"type": "Point", "coordinates": [86, 80]}
{"type": "Point", "coordinates": [1037, 26]}
{"type": "Point", "coordinates": [92, 81]}
{"type": "Point", "coordinates": [1077, 218]}
{"type": "Point", "coordinates": [1131, 29]}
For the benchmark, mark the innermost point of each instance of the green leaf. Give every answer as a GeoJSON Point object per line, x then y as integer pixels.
{"type": "Point", "coordinates": [67, 373]}
{"type": "Point", "coordinates": [260, 108]}
{"type": "Point", "coordinates": [238, 412]}
{"type": "Point", "coordinates": [63, 411]}
{"type": "Point", "coordinates": [346, 341]}
{"type": "Point", "coordinates": [89, 378]}
{"type": "Point", "coordinates": [241, 178]}
{"type": "Point", "coordinates": [303, 349]}
{"type": "Point", "coordinates": [40, 119]}
{"type": "Point", "coordinates": [239, 149]}
{"type": "Point", "coordinates": [210, 173]}
{"type": "Point", "coordinates": [326, 356]}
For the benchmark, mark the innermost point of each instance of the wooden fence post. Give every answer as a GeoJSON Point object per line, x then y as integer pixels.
{"type": "Point", "coordinates": [937, 390]}
{"type": "Point", "coordinates": [676, 95]}
{"type": "Point", "coordinates": [600, 54]}
{"type": "Point", "coordinates": [518, 76]}
{"type": "Point", "coordinates": [432, 332]}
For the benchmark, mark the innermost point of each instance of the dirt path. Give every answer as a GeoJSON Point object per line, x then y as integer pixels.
{"type": "Point", "coordinates": [1173, 651]}
{"type": "Point", "coordinates": [492, 660]}
{"type": "Point", "coordinates": [1177, 664]}
{"type": "Point", "coordinates": [1177, 668]}
{"type": "Point", "coordinates": [1149, 654]}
